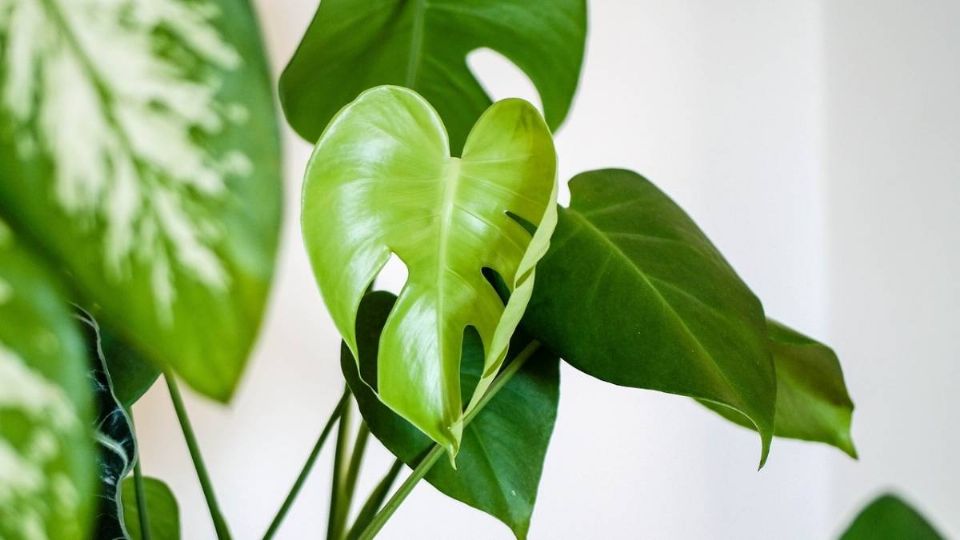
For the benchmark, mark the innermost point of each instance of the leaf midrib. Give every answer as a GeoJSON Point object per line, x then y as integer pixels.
{"type": "Point", "coordinates": [416, 43]}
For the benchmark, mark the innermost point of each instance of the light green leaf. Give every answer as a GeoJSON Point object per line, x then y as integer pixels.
{"type": "Point", "coordinates": [382, 181]}
{"type": "Point", "coordinates": [889, 517]}
{"type": "Point", "coordinates": [163, 514]}
{"type": "Point", "coordinates": [812, 399]}
{"type": "Point", "coordinates": [138, 145]}
{"type": "Point", "coordinates": [632, 292]}
{"type": "Point", "coordinates": [501, 459]}
{"type": "Point", "coordinates": [47, 463]}
{"type": "Point", "coordinates": [353, 45]}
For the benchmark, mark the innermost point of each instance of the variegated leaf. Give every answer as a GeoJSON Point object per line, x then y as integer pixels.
{"type": "Point", "coordinates": [138, 145]}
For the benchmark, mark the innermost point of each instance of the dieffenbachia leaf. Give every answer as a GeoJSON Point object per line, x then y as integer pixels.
{"type": "Point", "coordinates": [889, 517]}
{"type": "Point", "coordinates": [47, 464]}
{"type": "Point", "coordinates": [382, 181]}
{"type": "Point", "coordinates": [353, 45]}
{"type": "Point", "coordinates": [163, 514]}
{"type": "Point", "coordinates": [501, 458]}
{"type": "Point", "coordinates": [632, 292]}
{"type": "Point", "coordinates": [130, 374]}
{"type": "Point", "coordinates": [138, 145]}
{"type": "Point", "coordinates": [812, 399]}
{"type": "Point", "coordinates": [114, 436]}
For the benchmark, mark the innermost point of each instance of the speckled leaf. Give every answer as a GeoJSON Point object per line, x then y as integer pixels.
{"type": "Point", "coordinates": [633, 292]}
{"type": "Point", "coordinates": [163, 514]}
{"type": "Point", "coordinates": [138, 145]}
{"type": "Point", "coordinates": [382, 181]}
{"type": "Point", "coordinates": [889, 517]}
{"type": "Point", "coordinates": [113, 433]}
{"type": "Point", "coordinates": [353, 45]}
{"type": "Point", "coordinates": [812, 399]}
{"type": "Point", "coordinates": [47, 463]}
{"type": "Point", "coordinates": [501, 459]}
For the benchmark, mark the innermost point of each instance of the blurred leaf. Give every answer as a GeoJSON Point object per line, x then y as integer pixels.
{"type": "Point", "coordinates": [633, 293]}
{"type": "Point", "coordinates": [47, 464]}
{"type": "Point", "coordinates": [382, 181]}
{"type": "Point", "coordinates": [812, 399]}
{"type": "Point", "coordinates": [890, 518]}
{"type": "Point", "coordinates": [501, 459]}
{"type": "Point", "coordinates": [114, 435]}
{"type": "Point", "coordinates": [353, 45]}
{"type": "Point", "coordinates": [139, 146]}
{"type": "Point", "coordinates": [163, 514]}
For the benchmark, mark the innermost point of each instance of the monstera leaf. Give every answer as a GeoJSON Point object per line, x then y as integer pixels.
{"type": "Point", "coordinates": [47, 464]}
{"type": "Point", "coordinates": [353, 45]}
{"type": "Point", "coordinates": [889, 517]}
{"type": "Point", "coordinates": [501, 459]}
{"type": "Point", "coordinates": [632, 292]}
{"type": "Point", "coordinates": [382, 181]}
{"type": "Point", "coordinates": [113, 433]}
{"type": "Point", "coordinates": [163, 514]}
{"type": "Point", "coordinates": [138, 145]}
{"type": "Point", "coordinates": [812, 399]}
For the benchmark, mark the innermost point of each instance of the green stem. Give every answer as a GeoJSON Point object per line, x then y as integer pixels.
{"type": "Point", "coordinates": [223, 532]}
{"type": "Point", "coordinates": [141, 501]}
{"type": "Point", "coordinates": [375, 500]}
{"type": "Point", "coordinates": [353, 472]}
{"type": "Point", "coordinates": [308, 466]}
{"type": "Point", "coordinates": [377, 523]}
{"type": "Point", "coordinates": [334, 527]}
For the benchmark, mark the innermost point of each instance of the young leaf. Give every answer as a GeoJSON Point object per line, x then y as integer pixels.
{"type": "Point", "coordinates": [114, 435]}
{"type": "Point", "coordinates": [353, 45]}
{"type": "Point", "coordinates": [889, 517]}
{"type": "Point", "coordinates": [163, 514]}
{"type": "Point", "coordinates": [633, 293]}
{"type": "Point", "coordinates": [382, 180]}
{"type": "Point", "coordinates": [812, 399]}
{"type": "Point", "coordinates": [138, 146]}
{"type": "Point", "coordinates": [47, 463]}
{"type": "Point", "coordinates": [501, 459]}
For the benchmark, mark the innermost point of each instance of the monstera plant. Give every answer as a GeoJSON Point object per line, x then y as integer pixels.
{"type": "Point", "coordinates": [139, 213]}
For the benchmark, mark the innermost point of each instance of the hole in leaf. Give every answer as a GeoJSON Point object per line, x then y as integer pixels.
{"type": "Point", "coordinates": [471, 363]}
{"type": "Point", "coordinates": [501, 78]}
{"type": "Point", "coordinates": [392, 276]}
{"type": "Point", "coordinates": [498, 283]}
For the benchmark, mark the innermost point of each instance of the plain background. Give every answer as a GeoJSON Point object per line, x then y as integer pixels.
{"type": "Point", "coordinates": [818, 144]}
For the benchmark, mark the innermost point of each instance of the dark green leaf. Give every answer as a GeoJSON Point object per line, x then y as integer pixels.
{"type": "Point", "coordinates": [890, 518]}
{"type": "Point", "coordinates": [812, 399]}
{"type": "Point", "coordinates": [353, 45]}
{"type": "Point", "coordinates": [139, 147]}
{"type": "Point", "coordinates": [162, 511]}
{"type": "Point", "coordinates": [47, 463]}
{"type": "Point", "coordinates": [130, 373]}
{"type": "Point", "coordinates": [114, 435]}
{"type": "Point", "coordinates": [632, 292]}
{"type": "Point", "coordinates": [501, 458]}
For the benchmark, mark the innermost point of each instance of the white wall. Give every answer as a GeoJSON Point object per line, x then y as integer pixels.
{"type": "Point", "coordinates": [822, 170]}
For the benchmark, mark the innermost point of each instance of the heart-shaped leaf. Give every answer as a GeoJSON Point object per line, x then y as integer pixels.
{"type": "Point", "coordinates": [501, 459]}
{"type": "Point", "coordinates": [353, 45]}
{"type": "Point", "coordinates": [382, 181]}
{"type": "Point", "coordinates": [163, 514]}
{"type": "Point", "coordinates": [138, 145]}
{"type": "Point", "coordinates": [889, 517]}
{"type": "Point", "coordinates": [632, 292]}
{"type": "Point", "coordinates": [812, 399]}
{"type": "Point", "coordinates": [113, 433]}
{"type": "Point", "coordinates": [47, 463]}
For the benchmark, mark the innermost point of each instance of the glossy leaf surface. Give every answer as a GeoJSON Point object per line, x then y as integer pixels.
{"type": "Point", "coordinates": [633, 293]}
{"type": "Point", "coordinates": [382, 181]}
{"type": "Point", "coordinates": [353, 45]}
{"type": "Point", "coordinates": [812, 399]}
{"type": "Point", "coordinates": [163, 514]}
{"type": "Point", "coordinates": [501, 459]}
{"type": "Point", "coordinates": [47, 463]}
{"type": "Point", "coordinates": [114, 435]}
{"type": "Point", "coordinates": [138, 145]}
{"type": "Point", "coordinates": [890, 518]}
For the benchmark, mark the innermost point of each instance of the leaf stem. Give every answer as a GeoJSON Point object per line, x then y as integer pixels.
{"type": "Point", "coordinates": [223, 532]}
{"type": "Point", "coordinates": [375, 500]}
{"type": "Point", "coordinates": [141, 501]}
{"type": "Point", "coordinates": [308, 466]}
{"type": "Point", "coordinates": [334, 527]}
{"type": "Point", "coordinates": [353, 472]}
{"type": "Point", "coordinates": [378, 521]}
